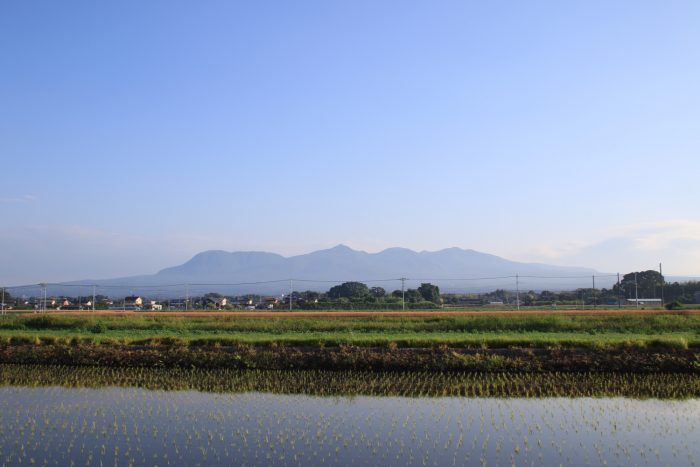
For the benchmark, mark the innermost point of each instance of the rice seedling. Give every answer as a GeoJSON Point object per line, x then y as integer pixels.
{"type": "Point", "coordinates": [138, 416]}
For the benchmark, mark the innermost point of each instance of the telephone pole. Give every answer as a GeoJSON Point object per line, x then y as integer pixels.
{"type": "Point", "coordinates": [517, 291]}
{"type": "Point", "coordinates": [636, 291]}
{"type": "Point", "coordinates": [93, 298]}
{"type": "Point", "coordinates": [291, 292]}
{"type": "Point", "coordinates": [619, 300]}
{"type": "Point", "coordinates": [42, 306]}
{"type": "Point", "coordinates": [403, 293]}
{"type": "Point", "coordinates": [593, 276]}
{"type": "Point", "coordinates": [662, 284]}
{"type": "Point", "coordinates": [187, 296]}
{"type": "Point", "coordinates": [3, 300]}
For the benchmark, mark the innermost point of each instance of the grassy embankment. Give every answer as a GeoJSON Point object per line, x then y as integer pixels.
{"type": "Point", "coordinates": [533, 343]}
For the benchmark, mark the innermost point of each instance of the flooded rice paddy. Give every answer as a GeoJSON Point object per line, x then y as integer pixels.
{"type": "Point", "coordinates": [64, 423]}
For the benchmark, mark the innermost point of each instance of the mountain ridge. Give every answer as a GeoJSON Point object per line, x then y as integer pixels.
{"type": "Point", "coordinates": [454, 269]}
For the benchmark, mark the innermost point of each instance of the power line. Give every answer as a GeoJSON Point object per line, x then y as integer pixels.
{"type": "Point", "coordinates": [163, 287]}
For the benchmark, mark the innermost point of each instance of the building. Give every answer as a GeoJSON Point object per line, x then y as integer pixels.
{"type": "Point", "coordinates": [214, 301]}
{"type": "Point", "coordinates": [644, 301]}
{"type": "Point", "coordinates": [177, 304]}
{"type": "Point", "coordinates": [131, 303]}
{"type": "Point", "coordinates": [469, 301]}
{"type": "Point", "coordinates": [133, 300]}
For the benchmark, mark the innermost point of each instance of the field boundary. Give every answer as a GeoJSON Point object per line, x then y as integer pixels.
{"type": "Point", "coordinates": [359, 314]}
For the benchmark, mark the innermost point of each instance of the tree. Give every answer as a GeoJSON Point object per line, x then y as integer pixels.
{"type": "Point", "coordinates": [377, 292]}
{"type": "Point", "coordinates": [413, 296]}
{"type": "Point", "coordinates": [309, 296]}
{"type": "Point", "coordinates": [648, 284]}
{"type": "Point", "coordinates": [430, 292]}
{"type": "Point", "coordinates": [8, 297]}
{"type": "Point", "coordinates": [349, 290]}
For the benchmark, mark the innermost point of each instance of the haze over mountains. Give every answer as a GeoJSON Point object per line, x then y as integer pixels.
{"type": "Point", "coordinates": [453, 269]}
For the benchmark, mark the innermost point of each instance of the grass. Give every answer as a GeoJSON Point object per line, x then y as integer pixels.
{"type": "Point", "coordinates": [534, 331]}
{"type": "Point", "coordinates": [630, 343]}
{"type": "Point", "coordinates": [401, 339]}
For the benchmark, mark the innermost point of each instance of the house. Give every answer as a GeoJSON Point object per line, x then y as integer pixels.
{"type": "Point", "coordinates": [214, 301]}
{"type": "Point", "coordinates": [177, 304]}
{"type": "Point", "coordinates": [155, 306]}
{"type": "Point", "coordinates": [131, 303]}
{"type": "Point", "coordinates": [133, 300]}
{"type": "Point", "coordinates": [644, 301]}
{"type": "Point", "coordinates": [38, 303]}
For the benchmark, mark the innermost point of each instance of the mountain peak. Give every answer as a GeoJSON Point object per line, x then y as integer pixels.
{"type": "Point", "coordinates": [452, 268]}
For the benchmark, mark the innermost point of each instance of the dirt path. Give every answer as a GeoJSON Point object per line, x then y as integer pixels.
{"type": "Point", "coordinates": [359, 314]}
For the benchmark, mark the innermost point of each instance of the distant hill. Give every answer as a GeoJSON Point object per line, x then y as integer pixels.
{"type": "Point", "coordinates": [453, 269]}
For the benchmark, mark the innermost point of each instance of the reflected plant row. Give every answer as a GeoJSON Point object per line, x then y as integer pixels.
{"type": "Point", "coordinates": [362, 383]}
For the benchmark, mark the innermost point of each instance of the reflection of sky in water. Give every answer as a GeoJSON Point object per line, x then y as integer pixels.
{"type": "Point", "coordinates": [127, 425]}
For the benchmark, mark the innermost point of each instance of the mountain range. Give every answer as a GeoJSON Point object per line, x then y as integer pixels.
{"type": "Point", "coordinates": [453, 269]}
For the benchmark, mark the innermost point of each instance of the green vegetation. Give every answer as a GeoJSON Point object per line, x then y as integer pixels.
{"type": "Point", "coordinates": [76, 416]}
{"type": "Point", "coordinates": [379, 330]}
{"type": "Point", "coordinates": [450, 343]}
{"type": "Point", "coordinates": [354, 383]}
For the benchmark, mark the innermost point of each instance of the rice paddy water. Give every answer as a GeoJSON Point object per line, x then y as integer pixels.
{"type": "Point", "coordinates": [65, 416]}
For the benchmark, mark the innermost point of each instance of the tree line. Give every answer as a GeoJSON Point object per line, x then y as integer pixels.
{"type": "Point", "coordinates": [357, 295]}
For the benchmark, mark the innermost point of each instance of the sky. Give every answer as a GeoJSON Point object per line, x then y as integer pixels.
{"type": "Point", "coordinates": [135, 134]}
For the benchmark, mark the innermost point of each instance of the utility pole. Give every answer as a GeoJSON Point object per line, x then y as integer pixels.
{"type": "Point", "coordinates": [636, 291]}
{"type": "Point", "coordinates": [662, 284]}
{"type": "Point", "coordinates": [619, 300]}
{"type": "Point", "coordinates": [593, 276]}
{"type": "Point", "coordinates": [3, 300]}
{"type": "Point", "coordinates": [93, 298]}
{"type": "Point", "coordinates": [403, 293]}
{"type": "Point", "coordinates": [291, 293]}
{"type": "Point", "coordinates": [187, 296]}
{"type": "Point", "coordinates": [517, 291]}
{"type": "Point", "coordinates": [42, 306]}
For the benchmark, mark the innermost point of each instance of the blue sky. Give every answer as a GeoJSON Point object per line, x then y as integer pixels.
{"type": "Point", "coordinates": [135, 134]}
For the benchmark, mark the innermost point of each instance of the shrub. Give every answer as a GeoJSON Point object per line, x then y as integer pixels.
{"type": "Point", "coordinates": [98, 328]}
{"type": "Point", "coordinates": [675, 305]}
{"type": "Point", "coordinates": [40, 322]}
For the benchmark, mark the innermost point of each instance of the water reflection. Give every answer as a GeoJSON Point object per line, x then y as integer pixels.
{"type": "Point", "coordinates": [133, 426]}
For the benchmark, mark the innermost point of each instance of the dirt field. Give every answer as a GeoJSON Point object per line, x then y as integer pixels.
{"type": "Point", "coordinates": [359, 314]}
